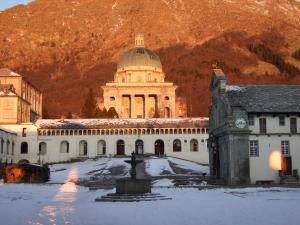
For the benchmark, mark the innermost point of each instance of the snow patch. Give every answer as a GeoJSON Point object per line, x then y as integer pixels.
{"type": "Point", "coordinates": [235, 88]}
{"type": "Point", "coordinates": [189, 165]}
{"type": "Point", "coordinates": [157, 167]}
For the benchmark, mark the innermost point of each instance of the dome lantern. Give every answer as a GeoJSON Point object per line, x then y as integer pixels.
{"type": "Point", "coordinates": [139, 40]}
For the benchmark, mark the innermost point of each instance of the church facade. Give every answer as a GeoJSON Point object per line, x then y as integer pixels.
{"type": "Point", "coordinates": [139, 89]}
{"type": "Point", "coordinates": [254, 132]}
{"type": "Point", "coordinates": [149, 120]}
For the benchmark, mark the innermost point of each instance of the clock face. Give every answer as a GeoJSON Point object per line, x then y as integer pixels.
{"type": "Point", "coordinates": [240, 123]}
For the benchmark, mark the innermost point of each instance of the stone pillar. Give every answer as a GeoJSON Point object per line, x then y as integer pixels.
{"type": "Point", "coordinates": [145, 106]}
{"type": "Point", "coordinates": [131, 106]}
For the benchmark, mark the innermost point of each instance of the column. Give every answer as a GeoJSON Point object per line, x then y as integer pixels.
{"type": "Point", "coordinates": [131, 105]}
{"type": "Point", "coordinates": [145, 106]}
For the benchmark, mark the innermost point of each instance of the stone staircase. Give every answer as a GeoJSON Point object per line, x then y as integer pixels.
{"type": "Point", "coordinates": [289, 180]}
{"type": "Point", "coordinates": [131, 197]}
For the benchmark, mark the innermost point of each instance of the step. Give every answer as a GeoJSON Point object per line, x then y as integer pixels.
{"type": "Point", "coordinates": [131, 198]}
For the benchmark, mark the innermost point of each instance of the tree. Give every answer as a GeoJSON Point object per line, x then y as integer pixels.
{"type": "Point", "coordinates": [89, 106]}
{"type": "Point", "coordinates": [69, 115]}
{"type": "Point", "coordinates": [112, 113]}
{"type": "Point", "coordinates": [45, 113]}
{"type": "Point", "coordinates": [99, 113]}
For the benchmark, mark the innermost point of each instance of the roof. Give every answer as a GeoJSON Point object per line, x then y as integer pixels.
{"type": "Point", "coordinates": [8, 72]}
{"type": "Point", "coordinates": [122, 123]}
{"type": "Point", "coordinates": [139, 57]}
{"type": "Point", "coordinates": [265, 98]}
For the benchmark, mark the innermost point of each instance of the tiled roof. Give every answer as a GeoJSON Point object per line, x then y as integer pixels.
{"type": "Point", "coordinates": [122, 123]}
{"type": "Point", "coordinates": [265, 98]}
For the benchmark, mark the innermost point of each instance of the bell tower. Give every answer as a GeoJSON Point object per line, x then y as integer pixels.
{"type": "Point", "coordinates": [139, 40]}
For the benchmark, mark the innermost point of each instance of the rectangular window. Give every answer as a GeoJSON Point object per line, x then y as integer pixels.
{"type": "Point", "coordinates": [281, 120]}
{"type": "Point", "coordinates": [285, 148]}
{"type": "Point", "coordinates": [254, 151]}
{"type": "Point", "coordinates": [24, 131]}
{"type": "Point", "coordinates": [251, 120]}
{"type": "Point", "coordinates": [293, 125]}
{"type": "Point", "coordinates": [263, 125]}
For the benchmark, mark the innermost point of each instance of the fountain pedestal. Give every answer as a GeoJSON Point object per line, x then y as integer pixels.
{"type": "Point", "coordinates": [133, 185]}
{"type": "Point", "coordinates": [130, 186]}
{"type": "Point", "coordinates": [132, 189]}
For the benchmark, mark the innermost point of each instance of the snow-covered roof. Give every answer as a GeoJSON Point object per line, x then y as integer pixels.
{"type": "Point", "coordinates": [122, 123]}
{"type": "Point", "coordinates": [8, 72]}
{"type": "Point", "coordinates": [9, 93]}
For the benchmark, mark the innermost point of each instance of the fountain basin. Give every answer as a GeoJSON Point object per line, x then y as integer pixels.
{"type": "Point", "coordinates": [133, 186]}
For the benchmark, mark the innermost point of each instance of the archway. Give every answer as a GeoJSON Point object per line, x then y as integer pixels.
{"type": "Point", "coordinates": [194, 145]}
{"type": "Point", "coordinates": [42, 148]}
{"type": "Point", "coordinates": [24, 148]}
{"type": "Point", "coordinates": [167, 112]}
{"type": "Point", "coordinates": [139, 147]}
{"type": "Point", "coordinates": [120, 147]}
{"type": "Point", "coordinates": [159, 147]}
{"type": "Point", "coordinates": [64, 147]}
{"type": "Point", "coordinates": [83, 148]}
{"type": "Point", "coordinates": [177, 145]}
{"type": "Point", "coordinates": [101, 147]}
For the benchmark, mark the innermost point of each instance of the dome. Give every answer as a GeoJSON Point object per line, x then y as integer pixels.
{"type": "Point", "coordinates": [139, 56]}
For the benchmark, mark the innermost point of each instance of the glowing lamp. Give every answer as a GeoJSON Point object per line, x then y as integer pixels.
{"type": "Point", "coordinates": [275, 160]}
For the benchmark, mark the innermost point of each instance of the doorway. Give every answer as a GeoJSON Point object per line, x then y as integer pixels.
{"type": "Point", "coordinates": [139, 147]}
{"type": "Point", "coordinates": [159, 147]}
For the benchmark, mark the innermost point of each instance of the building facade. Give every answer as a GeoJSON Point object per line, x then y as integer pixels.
{"type": "Point", "coordinates": [58, 141]}
{"type": "Point", "coordinates": [139, 89]}
{"type": "Point", "coordinates": [254, 132]}
{"type": "Point", "coordinates": [20, 101]}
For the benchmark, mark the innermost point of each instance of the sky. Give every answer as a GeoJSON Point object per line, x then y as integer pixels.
{"type": "Point", "coordinates": [4, 4]}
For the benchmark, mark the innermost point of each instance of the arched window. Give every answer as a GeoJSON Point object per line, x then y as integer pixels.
{"type": "Point", "coordinates": [2, 145]}
{"type": "Point", "coordinates": [7, 147]}
{"type": "Point", "coordinates": [64, 147]}
{"type": "Point", "coordinates": [42, 148]}
{"type": "Point", "coordinates": [194, 145]}
{"type": "Point", "coordinates": [101, 147]}
{"type": "Point", "coordinates": [24, 148]}
{"type": "Point", "coordinates": [83, 148]}
{"type": "Point", "coordinates": [12, 148]}
{"type": "Point", "coordinates": [120, 147]}
{"type": "Point", "coordinates": [177, 145]}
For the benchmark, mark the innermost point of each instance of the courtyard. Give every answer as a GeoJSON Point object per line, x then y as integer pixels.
{"type": "Point", "coordinates": [68, 198]}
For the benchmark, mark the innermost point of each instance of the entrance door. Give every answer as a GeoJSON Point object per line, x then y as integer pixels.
{"type": "Point", "coordinates": [159, 147]}
{"type": "Point", "coordinates": [120, 147]}
{"type": "Point", "coordinates": [216, 163]}
{"type": "Point", "coordinates": [139, 147]}
{"type": "Point", "coordinates": [286, 165]}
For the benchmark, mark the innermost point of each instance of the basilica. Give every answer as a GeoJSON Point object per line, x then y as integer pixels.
{"type": "Point", "coordinates": [151, 120]}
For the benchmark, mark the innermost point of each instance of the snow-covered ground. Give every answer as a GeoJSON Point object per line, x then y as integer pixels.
{"type": "Point", "coordinates": [189, 165]}
{"type": "Point", "coordinates": [61, 172]}
{"type": "Point", "coordinates": [70, 204]}
{"type": "Point", "coordinates": [156, 167]}
{"type": "Point", "coordinates": [61, 201]}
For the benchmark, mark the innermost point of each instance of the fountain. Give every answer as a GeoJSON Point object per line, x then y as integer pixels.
{"type": "Point", "coordinates": [132, 189]}
{"type": "Point", "coordinates": [133, 185]}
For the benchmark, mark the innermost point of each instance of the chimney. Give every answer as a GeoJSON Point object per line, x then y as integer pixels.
{"type": "Point", "coordinates": [139, 40]}
{"type": "Point", "coordinates": [62, 119]}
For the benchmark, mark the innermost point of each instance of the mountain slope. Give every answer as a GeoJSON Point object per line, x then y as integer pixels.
{"type": "Point", "coordinates": [66, 46]}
